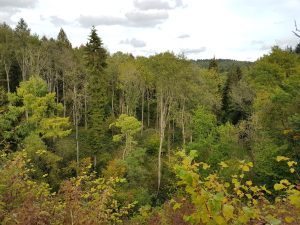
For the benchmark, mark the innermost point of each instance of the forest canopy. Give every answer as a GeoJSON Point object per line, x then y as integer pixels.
{"type": "Point", "coordinates": [89, 137]}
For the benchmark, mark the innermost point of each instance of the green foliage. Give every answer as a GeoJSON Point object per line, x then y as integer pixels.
{"type": "Point", "coordinates": [32, 110]}
{"type": "Point", "coordinates": [129, 126]}
{"type": "Point", "coordinates": [216, 201]}
{"type": "Point", "coordinates": [82, 200]}
{"type": "Point", "coordinates": [228, 112]}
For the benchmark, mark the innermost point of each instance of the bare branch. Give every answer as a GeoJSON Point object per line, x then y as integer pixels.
{"type": "Point", "coordinates": [296, 27]}
{"type": "Point", "coordinates": [296, 32]}
{"type": "Point", "coordinates": [298, 35]}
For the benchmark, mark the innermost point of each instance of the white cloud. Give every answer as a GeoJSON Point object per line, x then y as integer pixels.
{"type": "Point", "coordinates": [134, 42]}
{"type": "Point", "coordinates": [8, 8]}
{"type": "Point", "coordinates": [88, 21]}
{"type": "Point", "coordinates": [146, 19]}
{"type": "Point", "coordinates": [189, 51]}
{"type": "Point", "coordinates": [157, 4]}
{"type": "Point", "coordinates": [235, 29]}
{"type": "Point", "coordinates": [17, 3]}
{"type": "Point", "coordinates": [183, 36]}
{"type": "Point", "coordinates": [57, 21]}
{"type": "Point", "coordinates": [131, 19]}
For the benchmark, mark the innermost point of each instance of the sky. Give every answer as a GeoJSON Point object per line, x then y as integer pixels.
{"type": "Point", "coordinates": [199, 29]}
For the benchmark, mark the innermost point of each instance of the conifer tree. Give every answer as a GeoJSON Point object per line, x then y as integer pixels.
{"type": "Point", "coordinates": [63, 39]}
{"type": "Point", "coordinates": [95, 59]}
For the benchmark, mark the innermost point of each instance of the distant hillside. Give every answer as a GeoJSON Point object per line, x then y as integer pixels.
{"type": "Point", "coordinates": [224, 64]}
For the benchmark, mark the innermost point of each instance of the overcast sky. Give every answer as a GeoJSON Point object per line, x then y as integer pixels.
{"type": "Point", "coordinates": [236, 29]}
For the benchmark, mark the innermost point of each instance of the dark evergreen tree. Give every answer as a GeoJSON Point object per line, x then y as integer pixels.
{"type": "Point", "coordinates": [229, 113]}
{"type": "Point", "coordinates": [95, 59]}
{"type": "Point", "coordinates": [213, 64]}
{"type": "Point", "coordinates": [297, 49]}
{"type": "Point", "coordinates": [22, 27]}
{"type": "Point", "coordinates": [63, 39]}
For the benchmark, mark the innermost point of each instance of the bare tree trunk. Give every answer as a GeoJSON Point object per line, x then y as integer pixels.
{"type": "Point", "coordinates": [57, 92]}
{"type": "Point", "coordinates": [112, 100]}
{"type": "Point", "coordinates": [76, 128]}
{"type": "Point", "coordinates": [169, 141]}
{"type": "Point", "coordinates": [142, 124]}
{"type": "Point", "coordinates": [148, 108]}
{"type": "Point", "coordinates": [182, 124]}
{"type": "Point", "coordinates": [85, 109]}
{"type": "Point", "coordinates": [121, 103]}
{"type": "Point", "coordinates": [161, 138]}
{"type": "Point", "coordinates": [23, 68]}
{"type": "Point", "coordinates": [64, 95]}
{"type": "Point", "coordinates": [72, 217]}
{"type": "Point", "coordinates": [95, 162]}
{"type": "Point", "coordinates": [7, 70]}
{"type": "Point", "coordinates": [157, 117]}
{"type": "Point", "coordinates": [126, 146]}
{"type": "Point", "coordinates": [173, 134]}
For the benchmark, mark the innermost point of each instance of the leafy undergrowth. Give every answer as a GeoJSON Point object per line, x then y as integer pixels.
{"type": "Point", "coordinates": [237, 200]}
{"type": "Point", "coordinates": [214, 199]}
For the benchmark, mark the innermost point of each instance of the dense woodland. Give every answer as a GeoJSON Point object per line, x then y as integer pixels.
{"type": "Point", "coordinates": [89, 137]}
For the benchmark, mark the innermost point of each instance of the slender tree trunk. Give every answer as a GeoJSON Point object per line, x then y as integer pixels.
{"type": "Point", "coordinates": [126, 146]}
{"type": "Point", "coordinates": [121, 103]}
{"type": "Point", "coordinates": [76, 128]}
{"type": "Point", "coordinates": [72, 217]}
{"type": "Point", "coordinates": [85, 109]}
{"type": "Point", "coordinates": [162, 125]}
{"type": "Point", "coordinates": [157, 117]}
{"type": "Point", "coordinates": [169, 141]}
{"type": "Point", "coordinates": [64, 95]}
{"type": "Point", "coordinates": [142, 124]}
{"type": "Point", "coordinates": [173, 134]}
{"type": "Point", "coordinates": [23, 69]}
{"type": "Point", "coordinates": [148, 108]}
{"type": "Point", "coordinates": [182, 124]}
{"type": "Point", "coordinates": [7, 70]}
{"type": "Point", "coordinates": [95, 162]}
{"type": "Point", "coordinates": [112, 100]}
{"type": "Point", "coordinates": [57, 92]}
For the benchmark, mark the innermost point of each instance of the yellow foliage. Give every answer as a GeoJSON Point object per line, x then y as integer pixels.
{"type": "Point", "coordinates": [223, 165]}
{"type": "Point", "coordinates": [281, 158]}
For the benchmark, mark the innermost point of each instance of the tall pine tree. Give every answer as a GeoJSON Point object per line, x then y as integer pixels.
{"type": "Point", "coordinates": [95, 59]}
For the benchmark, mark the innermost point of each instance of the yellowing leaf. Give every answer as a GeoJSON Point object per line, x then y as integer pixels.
{"type": "Point", "coordinates": [223, 165]}
{"type": "Point", "coordinates": [220, 220]}
{"type": "Point", "coordinates": [227, 185]}
{"type": "Point", "coordinates": [278, 187]}
{"type": "Point", "coordinates": [205, 166]}
{"type": "Point", "coordinates": [266, 190]}
{"type": "Point", "coordinates": [245, 168]}
{"type": "Point", "coordinates": [285, 181]}
{"type": "Point", "coordinates": [292, 170]}
{"type": "Point", "coordinates": [281, 158]}
{"type": "Point", "coordinates": [289, 219]}
{"type": "Point", "coordinates": [250, 164]}
{"type": "Point", "coordinates": [249, 183]}
{"type": "Point", "coordinates": [249, 196]}
{"type": "Point", "coordinates": [240, 193]}
{"type": "Point", "coordinates": [228, 211]}
{"type": "Point", "coordinates": [295, 198]}
{"type": "Point", "coordinates": [176, 206]}
{"type": "Point", "coordinates": [291, 163]}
